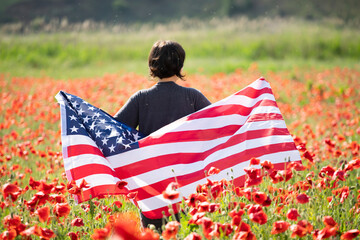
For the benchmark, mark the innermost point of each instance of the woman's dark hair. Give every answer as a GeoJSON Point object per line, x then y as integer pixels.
{"type": "Point", "coordinates": [166, 59]}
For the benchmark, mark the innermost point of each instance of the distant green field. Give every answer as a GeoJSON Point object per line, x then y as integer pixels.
{"type": "Point", "coordinates": [221, 45]}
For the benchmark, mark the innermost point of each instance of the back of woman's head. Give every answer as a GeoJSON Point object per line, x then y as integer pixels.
{"type": "Point", "coordinates": [166, 59]}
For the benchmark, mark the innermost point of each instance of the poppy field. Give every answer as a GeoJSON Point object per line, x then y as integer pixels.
{"type": "Point", "coordinates": [318, 199]}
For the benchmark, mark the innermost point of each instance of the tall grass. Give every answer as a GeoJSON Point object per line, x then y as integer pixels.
{"type": "Point", "coordinates": [221, 45]}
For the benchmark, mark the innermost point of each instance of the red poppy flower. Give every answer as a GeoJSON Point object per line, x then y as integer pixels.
{"type": "Point", "coordinates": [78, 222]}
{"type": "Point", "coordinates": [351, 234]}
{"type": "Point", "coordinates": [132, 195]}
{"type": "Point", "coordinates": [325, 233]}
{"type": "Point", "coordinates": [197, 216]}
{"type": "Point", "coordinates": [244, 227]}
{"type": "Point", "coordinates": [298, 230]}
{"type": "Point", "coordinates": [329, 221]}
{"type": "Point", "coordinates": [125, 226]}
{"type": "Point", "coordinates": [353, 164]}
{"type": "Point", "coordinates": [267, 165]}
{"type": "Point", "coordinates": [171, 229]}
{"type": "Point", "coordinates": [213, 207]}
{"type": "Point", "coordinates": [279, 227]}
{"type": "Point", "coordinates": [254, 161]}
{"type": "Point", "coordinates": [84, 184]}
{"type": "Point", "coordinates": [306, 225]}
{"type": "Point", "coordinates": [203, 207]}
{"type": "Point", "coordinates": [170, 192]}
{"type": "Point", "coordinates": [329, 142]}
{"type": "Point", "coordinates": [9, 188]}
{"type": "Point", "coordinates": [73, 236]}
{"type": "Point", "coordinates": [267, 202]}
{"type": "Point", "coordinates": [328, 170]}
{"type": "Point", "coordinates": [219, 228]}
{"type": "Point", "coordinates": [43, 213]}
{"type": "Point", "coordinates": [8, 235]}
{"type": "Point", "coordinates": [285, 174]}
{"type": "Point", "coordinates": [58, 198]}
{"type": "Point", "coordinates": [62, 209]}
{"type": "Point", "coordinates": [213, 170]}
{"type": "Point", "coordinates": [117, 204]}
{"type": "Point", "coordinates": [46, 233]}
{"type": "Point", "coordinates": [339, 174]}
{"type": "Point", "coordinates": [238, 213]}
{"type": "Point", "coordinates": [33, 184]}
{"type": "Point", "coordinates": [343, 193]}
{"type": "Point", "coordinates": [292, 214]}
{"type": "Point", "coordinates": [34, 230]}
{"type": "Point", "coordinates": [191, 201]}
{"type": "Point", "coordinates": [308, 156]}
{"type": "Point", "coordinates": [236, 221]}
{"type": "Point", "coordinates": [244, 236]}
{"type": "Point", "coordinates": [101, 233]}
{"type": "Point", "coordinates": [257, 215]}
{"type": "Point", "coordinates": [11, 221]}
{"type": "Point", "coordinates": [259, 197]}
{"type": "Point", "coordinates": [206, 224]}
{"type": "Point", "coordinates": [302, 198]}
{"type": "Point", "coordinates": [149, 234]}
{"type": "Point", "coordinates": [59, 188]}
{"type": "Point", "coordinates": [121, 184]}
{"type": "Point", "coordinates": [274, 177]}
{"type": "Point", "coordinates": [253, 178]}
{"type": "Point", "coordinates": [44, 187]}
{"type": "Point", "coordinates": [98, 216]}
{"type": "Point", "coordinates": [193, 236]}
{"type": "Point", "coordinates": [296, 166]}
{"type": "Point", "coordinates": [216, 190]}
{"type": "Point", "coordinates": [75, 190]}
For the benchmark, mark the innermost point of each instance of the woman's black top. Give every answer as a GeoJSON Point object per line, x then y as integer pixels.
{"type": "Point", "coordinates": [165, 102]}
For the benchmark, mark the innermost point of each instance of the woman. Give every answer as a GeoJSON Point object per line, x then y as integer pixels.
{"type": "Point", "coordinates": [150, 109]}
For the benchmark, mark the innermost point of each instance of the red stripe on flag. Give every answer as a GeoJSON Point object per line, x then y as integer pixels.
{"type": "Point", "coordinates": [184, 158]}
{"type": "Point", "coordinates": [80, 149]}
{"type": "Point", "coordinates": [253, 93]}
{"type": "Point", "coordinates": [90, 169]}
{"type": "Point", "coordinates": [191, 135]}
{"type": "Point", "coordinates": [157, 188]}
{"type": "Point", "coordinates": [158, 213]}
{"type": "Point", "coordinates": [205, 134]}
{"type": "Point", "coordinates": [230, 109]}
{"type": "Point", "coordinates": [102, 190]}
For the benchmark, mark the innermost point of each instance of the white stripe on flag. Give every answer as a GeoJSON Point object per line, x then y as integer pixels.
{"type": "Point", "coordinates": [182, 123]}
{"type": "Point", "coordinates": [146, 152]}
{"type": "Point", "coordinates": [163, 173]}
{"type": "Point", "coordinates": [85, 159]}
{"type": "Point", "coordinates": [98, 180]}
{"type": "Point", "coordinates": [214, 122]}
{"type": "Point", "coordinates": [158, 201]}
{"type": "Point", "coordinates": [71, 140]}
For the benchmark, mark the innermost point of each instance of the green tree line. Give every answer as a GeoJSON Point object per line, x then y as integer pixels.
{"type": "Point", "coordinates": [130, 11]}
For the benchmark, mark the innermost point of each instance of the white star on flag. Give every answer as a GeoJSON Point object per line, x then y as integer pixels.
{"type": "Point", "coordinates": [112, 148]}
{"type": "Point", "coordinates": [98, 134]}
{"type": "Point", "coordinates": [86, 119]}
{"type": "Point", "coordinates": [74, 129]}
{"type": "Point", "coordinates": [105, 140]}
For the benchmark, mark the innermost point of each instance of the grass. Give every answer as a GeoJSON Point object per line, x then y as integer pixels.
{"type": "Point", "coordinates": [221, 45]}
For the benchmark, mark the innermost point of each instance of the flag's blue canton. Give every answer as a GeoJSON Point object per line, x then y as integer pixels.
{"type": "Point", "coordinates": [111, 136]}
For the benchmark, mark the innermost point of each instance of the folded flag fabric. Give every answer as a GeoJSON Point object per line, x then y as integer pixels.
{"type": "Point", "coordinates": [225, 135]}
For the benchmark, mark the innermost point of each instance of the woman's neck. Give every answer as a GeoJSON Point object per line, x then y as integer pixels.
{"type": "Point", "coordinates": [169, 79]}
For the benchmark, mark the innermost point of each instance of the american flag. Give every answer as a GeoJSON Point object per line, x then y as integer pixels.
{"type": "Point", "coordinates": [225, 135]}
